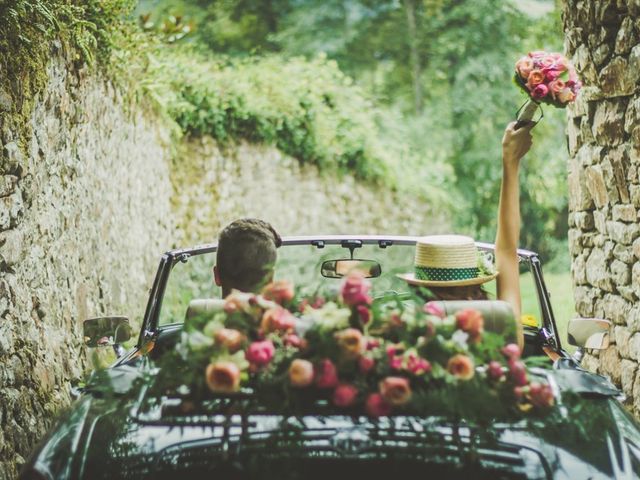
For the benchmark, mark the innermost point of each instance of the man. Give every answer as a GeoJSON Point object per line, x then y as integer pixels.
{"type": "Point", "coordinates": [246, 255]}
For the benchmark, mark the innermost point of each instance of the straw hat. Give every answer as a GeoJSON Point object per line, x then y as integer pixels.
{"type": "Point", "coordinates": [446, 261]}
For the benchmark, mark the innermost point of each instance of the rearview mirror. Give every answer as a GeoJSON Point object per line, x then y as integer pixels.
{"type": "Point", "coordinates": [589, 333]}
{"type": "Point", "coordinates": [106, 331]}
{"type": "Point", "coordinates": [341, 267]}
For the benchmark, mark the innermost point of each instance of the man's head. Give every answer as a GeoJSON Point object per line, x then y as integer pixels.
{"type": "Point", "coordinates": [246, 255]}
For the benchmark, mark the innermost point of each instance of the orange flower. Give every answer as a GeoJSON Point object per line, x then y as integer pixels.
{"type": "Point", "coordinates": [301, 373]}
{"type": "Point", "coordinates": [277, 320]}
{"type": "Point", "coordinates": [536, 77]}
{"type": "Point", "coordinates": [524, 67]}
{"type": "Point", "coordinates": [351, 342]}
{"type": "Point", "coordinates": [230, 338]}
{"type": "Point", "coordinates": [461, 366]}
{"type": "Point", "coordinates": [223, 377]}
{"type": "Point", "coordinates": [395, 390]}
{"type": "Point", "coordinates": [280, 291]}
{"type": "Point", "coordinates": [470, 321]}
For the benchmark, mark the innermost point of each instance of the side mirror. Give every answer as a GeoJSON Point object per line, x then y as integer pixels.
{"type": "Point", "coordinates": [340, 268]}
{"type": "Point", "coordinates": [589, 333]}
{"type": "Point", "coordinates": [106, 331]}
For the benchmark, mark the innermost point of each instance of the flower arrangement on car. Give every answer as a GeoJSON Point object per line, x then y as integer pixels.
{"type": "Point", "coordinates": [353, 354]}
{"type": "Point", "coordinates": [546, 78]}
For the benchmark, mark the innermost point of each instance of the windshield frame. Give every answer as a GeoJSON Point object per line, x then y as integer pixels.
{"type": "Point", "coordinates": [172, 257]}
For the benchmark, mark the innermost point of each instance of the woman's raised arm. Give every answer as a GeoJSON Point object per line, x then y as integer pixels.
{"type": "Point", "coordinates": [515, 144]}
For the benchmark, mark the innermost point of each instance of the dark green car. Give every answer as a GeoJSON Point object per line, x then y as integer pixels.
{"type": "Point", "coordinates": [118, 429]}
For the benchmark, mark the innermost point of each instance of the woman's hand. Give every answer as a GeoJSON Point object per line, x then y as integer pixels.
{"type": "Point", "coordinates": [515, 143]}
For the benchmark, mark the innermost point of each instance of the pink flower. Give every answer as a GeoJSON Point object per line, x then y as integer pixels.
{"type": "Point", "coordinates": [535, 78]}
{"type": "Point", "coordinates": [461, 366]}
{"type": "Point", "coordinates": [540, 91]}
{"type": "Point", "coordinates": [351, 342]}
{"type": "Point", "coordinates": [555, 87]}
{"type": "Point", "coordinates": [326, 375]}
{"type": "Point", "coordinates": [372, 343]}
{"type": "Point", "coordinates": [364, 313]}
{"type": "Point", "coordinates": [566, 95]}
{"type": "Point", "coordinates": [418, 365]}
{"type": "Point", "coordinates": [470, 321]}
{"type": "Point", "coordinates": [344, 395]}
{"type": "Point", "coordinates": [395, 390]}
{"type": "Point", "coordinates": [541, 395]}
{"type": "Point", "coordinates": [517, 372]}
{"type": "Point", "coordinates": [537, 53]}
{"type": "Point", "coordinates": [494, 370]}
{"type": "Point", "coordinates": [260, 353]}
{"type": "Point", "coordinates": [550, 74]}
{"type": "Point", "coordinates": [293, 340]}
{"type": "Point", "coordinates": [395, 362]}
{"type": "Point", "coordinates": [355, 289]}
{"type": "Point", "coordinates": [301, 373]}
{"type": "Point", "coordinates": [524, 67]}
{"type": "Point", "coordinates": [223, 377]}
{"type": "Point", "coordinates": [511, 351]}
{"type": "Point", "coordinates": [365, 364]}
{"type": "Point", "coordinates": [277, 320]}
{"type": "Point", "coordinates": [280, 291]}
{"type": "Point", "coordinates": [547, 60]}
{"type": "Point", "coordinates": [376, 406]}
{"type": "Point", "coordinates": [433, 308]}
{"type": "Point", "coordinates": [393, 350]}
{"type": "Point", "coordinates": [230, 338]}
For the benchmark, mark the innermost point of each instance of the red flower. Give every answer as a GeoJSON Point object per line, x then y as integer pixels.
{"type": "Point", "coordinates": [364, 313]}
{"type": "Point", "coordinates": [345, 395]}
{"type": "Point", "coordinates": [326, 374]}
{"type": "Point", "coordinates": [511, 351]}
{"type": "Point", "coordinates": [260, 353]}
{"type": "Point", "coordinates": [293, 340]}
{"type": "Point", "coordinates": [376, 406]}
{"type": "Point", "coordinates": [418, 365]}
{"type": "Point", "coordinates": [541, 395]}
{"type": "Point", "coordinates": [365, 364]}
{"type": "Point", "coordinates": [517, 372]}
{"type": "Point", "coordinates": [355, 289]}
{"type": "Point", "coordinates": [494, 370]}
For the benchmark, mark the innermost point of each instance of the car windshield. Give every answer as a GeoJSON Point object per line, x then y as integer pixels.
{"type": "Point", "coordinates": [192, 278]}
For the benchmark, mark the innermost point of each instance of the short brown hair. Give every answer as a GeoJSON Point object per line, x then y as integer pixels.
{"type": "Point", "coordinates": [246, 254]}
{"type": "Point", "coordinates": [470, 292]}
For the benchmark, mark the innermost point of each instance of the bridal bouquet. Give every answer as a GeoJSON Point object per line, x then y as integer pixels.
{"type": "Point", "coordinates": [352, 354]}
{"type": "Point", "coordinates": [546, 78]}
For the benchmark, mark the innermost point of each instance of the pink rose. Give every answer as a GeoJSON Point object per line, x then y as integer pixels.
{"type": "Point", "coordinates": [293, 340]}
{"type": "Point", "coordinates": [395, 390]}
{"type": "Point", "coordinates": [372, 343]}
{"type": "Point", "coordinates": [418, 365]}
{"type": "Point", "coordinates": [301, 373]}
{"type": "Point", "coordinates": [433, 308]}
{"type": "Point", "coordinates": [461, 366]}
{"type": "Point", "coordinates": [280, 291]}
{"type": "Point", "coordinates": [351, 342]}
{"type": "Point", "coordinates": [223, 377]}
{"type": "Point", "coordinates": [365, 364]}
{"type": "Point", "coordinates": [537, 53]}
{"type": "Point", "coordinates": [364, 313]}
{"type": "Point", "coordinates": [524, 67]}
{"type": "Point", "coordinates": [326, 374]}
{"type": "Point", "coordinates": [517, 372]}
{"type": "Point", "coordinates": [547, 61]}
{"type": "Point", "coordinates": [355, 289]}
{"type": "Point", "coordinates": [277, 320]}
{"type": "Point", "coordinates": [376, 406]}
{"type": "Point", "coordinates": [555, 87]}
{"type": "Point", "coordinates": [232, 339]}
{"type": "Point", "coordinates": [260, 353]}
{"type": "Point", "coordinates": [550, 74]}
{"type": "Point", "coordinates": [541, 395]}
{"type": "Point", "coordinates": [566, 95]}
{"type": "Point", "coordinates": [540, 91]}
{"type": "Point", "coordinates": [511, 351]}
{"type": "Point", "coordinates": [344, 395]}
{"type": "Point", "coordinates": [395, 363]}
{"type": "Point", "coordinates": [494, 370]}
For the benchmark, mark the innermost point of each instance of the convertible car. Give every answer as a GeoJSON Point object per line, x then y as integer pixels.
{"type": "Point", "coordinates": [113, 430]}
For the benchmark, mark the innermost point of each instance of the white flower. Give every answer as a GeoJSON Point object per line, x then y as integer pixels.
{"type": "Point", "coordinates": [459, 338]}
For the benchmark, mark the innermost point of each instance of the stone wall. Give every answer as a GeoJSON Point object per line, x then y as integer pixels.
{"type": "Point", "coordinates": [604, 146]}
{"type": "Point", "coordinates": [84, 212]}
{"type": "Point", "coordinates": [214, 187]}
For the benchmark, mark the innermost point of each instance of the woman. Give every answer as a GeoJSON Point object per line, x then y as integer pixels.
{"type": "Point", "coordinates": [448, 264]}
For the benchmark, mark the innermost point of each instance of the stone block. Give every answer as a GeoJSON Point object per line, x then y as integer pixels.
{"type": "Point", "coordinates": [10, 208]}
{"type": "Point", "coordinates": [628, 369]}
{"type": "Point", "coordinates": [608, 122]}
{"type": "Point", "coordinates": [625, 213]}
{"type": "Point", "coordinates": [584, 221]}
{"type": "Point", "coordinates": [622, 335]}
{"type": "Point", "coordinates": [594, 181]}
{"type": "Point", "coordinates": [616, 79]}
{"type": "Point", "coordinates": [634, 194]}
{"type": "Point", "coordinates": [575, 241]}
{"type": "Point", "coordinates": [585, 298]}
{"type": "Point", "coordinates": [8, 185]}
{"type": "Point", "coordinates": [584, 65]}
{"type": "Point", "coordinates": [600, 221]}
{"type": "Point", "coordinates": [635, 275]}
{"type": "Point", "coordinates": [636, 248]}
{"type": "Point", "coordinates": [579, 270]}
{"type": "Point", "coordinates": [620, 273]}
{"type": "Point", "coordinates": [623, 232]}
{"type": "Point", "coordinates": [597, 272]}
{"type": "Point", "coordinates": [579, 196]}
{"type": "Point", "coordinates": [610, 364]}
{"type": "Point", "coordinates": [624, 253]}
{"type": "Point", "coordinates": [615, 308]}
{"type": "Point", "coordinates": [632, 174]}
{"type": "Point", "coordinates": [601, 54]}
{"type": "Point", "coordinates": [634, 62]}
{"type": "Point", "coordinates": [11, 246]}
{"type": "Point", "coordinates": [628, 293]}
{"type": "Point", "coordinates": [632, 114]}
{"type": "Point", "coordinates": [626, 38]}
